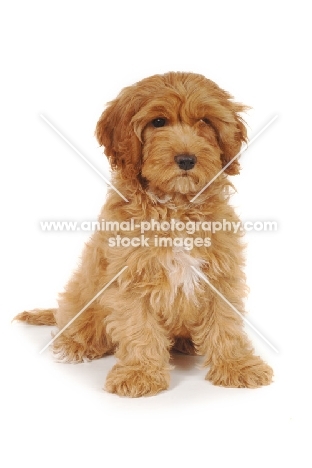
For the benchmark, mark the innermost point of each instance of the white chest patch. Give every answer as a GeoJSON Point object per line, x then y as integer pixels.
{"type": "Point", "coordinates": [178, 264]}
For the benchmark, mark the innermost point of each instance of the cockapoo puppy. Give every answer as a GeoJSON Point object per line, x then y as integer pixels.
{"type": "Point", "coordinates": [167, 137]}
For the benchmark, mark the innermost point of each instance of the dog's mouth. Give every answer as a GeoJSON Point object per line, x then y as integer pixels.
{"type": "Point", "coordinates": [188, 175]}
{"type": "Point", "coordinates": [184, 183]}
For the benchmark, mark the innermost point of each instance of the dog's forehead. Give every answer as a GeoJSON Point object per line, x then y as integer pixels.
{"type": "Point", "coordinates": [178, 92]}
{"type": "Point", "coordinates": [178, 85]}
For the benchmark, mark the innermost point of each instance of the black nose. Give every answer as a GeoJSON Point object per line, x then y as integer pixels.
{"type": "Point", "coordinates": [185, 161]}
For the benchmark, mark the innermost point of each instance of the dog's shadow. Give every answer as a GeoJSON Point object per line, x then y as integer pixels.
{"type": "Point", "coordinates": [92, 374]}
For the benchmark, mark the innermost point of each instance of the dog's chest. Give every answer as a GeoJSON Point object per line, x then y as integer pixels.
{"type": "Point", "coordinates": [183, 273]}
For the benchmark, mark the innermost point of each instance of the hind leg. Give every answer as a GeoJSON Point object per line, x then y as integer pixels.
{"type": "Point", "coordinates": [82, 331]}
{"type": "Point", "coordinates": [84, 336]}
{"type": "Point", "coordinates": [84, 339]}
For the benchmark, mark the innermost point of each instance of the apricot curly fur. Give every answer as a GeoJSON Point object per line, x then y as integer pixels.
{"type": "Point", "coordinates": [160, 302]}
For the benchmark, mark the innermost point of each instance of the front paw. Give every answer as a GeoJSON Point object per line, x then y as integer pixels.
{"type": "Point", "coordinates": [133, 381]}
{"type": "Point", "coordinates": [250, 372]}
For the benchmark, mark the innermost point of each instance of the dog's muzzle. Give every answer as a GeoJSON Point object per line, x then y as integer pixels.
{"type": "Point", "coordinates": [185, 161]}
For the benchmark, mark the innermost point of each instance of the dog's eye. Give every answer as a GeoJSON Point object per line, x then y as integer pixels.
{"type": "Point", "coordinates": [159, 122]}
{"type": "Point", "coordinates": [207, 121]}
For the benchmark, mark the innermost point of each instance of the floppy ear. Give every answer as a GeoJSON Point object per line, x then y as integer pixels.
{"type": "Point", "coordinates": [224, 115]}
{"type": "Point", "coordinates": [115, 132]}
{"type": "Point", "coordinates": [232, 134]}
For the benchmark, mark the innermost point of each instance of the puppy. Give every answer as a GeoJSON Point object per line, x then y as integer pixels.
{"type": "Point", "coordinates": [171, 141]}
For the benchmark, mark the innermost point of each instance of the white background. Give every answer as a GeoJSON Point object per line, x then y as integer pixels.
{"type": "Point", "coordinates": [66, 59]}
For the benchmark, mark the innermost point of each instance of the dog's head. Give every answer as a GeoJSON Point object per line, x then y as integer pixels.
{"type": "Point", "coordinates": [172, 132]}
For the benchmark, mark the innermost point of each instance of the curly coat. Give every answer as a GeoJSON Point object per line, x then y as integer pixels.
{"type": "Point", "coordinates": [166, 137]}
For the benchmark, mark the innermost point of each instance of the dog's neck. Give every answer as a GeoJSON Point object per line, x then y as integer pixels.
{"type": "Point", "coordinates": [151, 199]}
{"type": "Point", "coordinates": [221, 191]}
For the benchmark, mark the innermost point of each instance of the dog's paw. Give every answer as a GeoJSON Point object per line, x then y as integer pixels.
{"type": "Point", "coordinates": [66, 349]}
{"type": "Point", "coordinates": [251, 372]}
{"type": "Point", "coordinates": [133, 381]}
